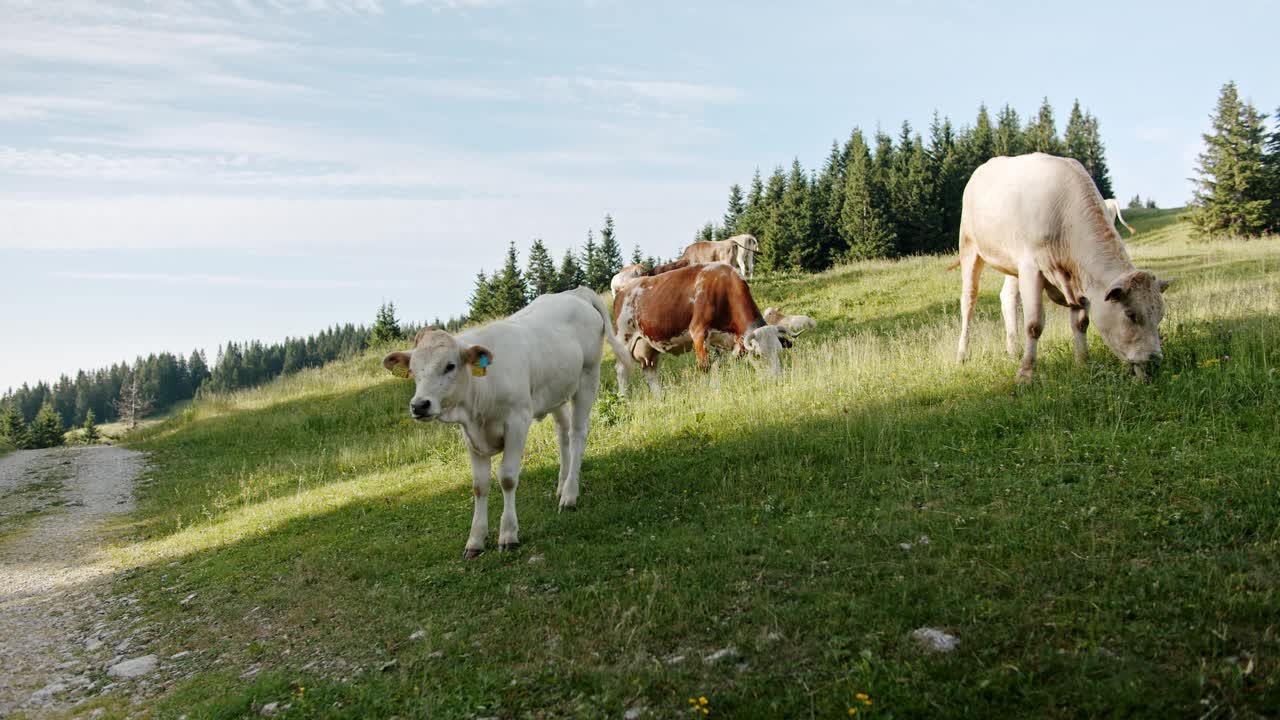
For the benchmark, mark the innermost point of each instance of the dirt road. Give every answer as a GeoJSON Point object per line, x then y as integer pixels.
{"type": "Point", "coordinates": [61, 633]}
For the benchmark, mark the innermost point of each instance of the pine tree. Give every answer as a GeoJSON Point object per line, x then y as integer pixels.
{"type": "Point", "coordinates": [866, 232]}
{"type": "Point", "coordinates": [133, 404]}
{"type": "Point", "coordinates": [1095, 157]}
{"type": "Point", "coordinates": [982, 143]}
{"type": "Point", "coordinates": [1135, 202]}
{"type": "Point", "coordinates": [541, 276]}
{"type": "Point", "coordinates": [637, 257]}
{"type": "Point", "coordinates": [91, 434]}
{"type": "Point", "coordinates": [571, 274]}
{"type": "Point", "coordinates": [386, 327]}
{"type": "Point", "coordinates": [1271, 167]}
{"type": "Point", "coordinates": [13, 427]}
{"type": "Point", "coordinates": [1076, 136]}
{"type": "Point", "coordinates": [610, 251]}
{"type": "Point", "coordinates": [593, 265]}
{"type": "Point", "coordinates": [510, 292]}
{"type": "Point", "coordinates": [828, 198]}
{"type": "Point", "coordinates": [480, 306]}
{"type": "Point", "coordinates": [753, 219]}
{"type": "Point", "coordinates": [1042, 135]}
{"type": "Point", "coordinates": [1151, 203]}
{"type": "Point", "coordinates": [1008, 136]}
{"type": "Point", "coordinates": [1231, 195]}
{"type": "Point", "coordinates": [734, 212]}
{"type": "Point", "coordinates": [47, 429]}
{"type": "Point", "coordinates": [794, 247]}
{"type": "Point", "coordinates": [771, 211]}
{"type": "Point", "coordinates": [706, 233]}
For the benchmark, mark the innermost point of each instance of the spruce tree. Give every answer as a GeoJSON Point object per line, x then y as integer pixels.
{"type": "Point", "coordinates": [13, 427]}
{"type": "Point", "coordinates": [1042, 134]}
{"type": "Point", "coordinates": [541, 276]}
{"type": "Point", "coordinates": [1095, 157]}
{"type": "Point", "coordinates": [571, 274]}
{"type": "Point", "coordinates": [1230, 198]}
{"type": "Point", "coordinates": [510, 292]}
{"type": "Point", "coordinates": [1271, 167]}
{"type": "Point", "coordinates": [828, 198]}
{"type": "Point", "coordinates": [610, 251]}
{"type": "Point", "coordinates": [480, 306]}
{"type": "Point", "coordinates": [1135, 202]}
{"type": "Point", "coordinates": [47, 429]}
{"type": "Point", "coordinates": [753, 218]}
{"type": "Point", "coordinates": [1151, 203]}
{"type": "Point", "coordinates": [1076, 136]}
{"type": "Point", "coordinates": [706, 233]}
{"type": "Point", "coordinates": [793, 247]}
{"type": "Point", "coordinates": [637, 256]}
{"type": "Point", "coordinates": [771, 213]}
{"type": "Point", "coordinates": [91, 434]}
{"type": "Point", "coordinates": [594, 265]}
{"type": "Point", "coordinates": [386, 327]}
{"type": "Point", "coordinates": [866, 232]}
{"type": "Point", "coordinates": [982, 143]}
{"type": "Point", "coordinates": [737, 207]}
{"type": "Point", "coordinates": [1008, 135]}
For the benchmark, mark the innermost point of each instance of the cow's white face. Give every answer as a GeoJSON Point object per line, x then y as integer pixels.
{"type": "Point", "coordinates": [764, 341]}
{"type": "Point", "coordinates": [441, 369]}
{"type": "Point", "coordinates": [1128, 316]}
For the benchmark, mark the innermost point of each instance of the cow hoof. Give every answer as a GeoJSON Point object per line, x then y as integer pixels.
{"type": "Point", "coordinates": [508, 547]}
{"type": "Point", "coordinates": [1023, 378]}
{"type": "Point", "coordinates": [569, 508]}
{"type": "Point", "coordinates": [471, 554]}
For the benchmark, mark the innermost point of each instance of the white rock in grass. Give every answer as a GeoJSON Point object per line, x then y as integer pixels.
{"type": "Point", "coordinates": [270, 709]}
{"type": "Point", "coordinates": [633, 713]}
{"type": "Point", "coordinates": [934, 640]}
{"type": "Point", "coordinates": [721, 654]}
{"type": "Point", "coordinates": [417, 635]}
{"type": "Point", "coordinates": [133, 667]}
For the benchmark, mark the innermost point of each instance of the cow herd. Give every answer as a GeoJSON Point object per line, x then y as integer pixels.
{"type": "Point", "coordinates": [1036, 218]}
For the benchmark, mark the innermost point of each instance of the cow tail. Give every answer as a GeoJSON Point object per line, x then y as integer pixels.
{"type": "Point", "coordinates": [619, 350]}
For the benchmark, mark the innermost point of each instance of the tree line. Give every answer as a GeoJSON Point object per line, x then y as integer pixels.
{"type": "Point", "coordinates": [1238, 185]}
{"type": "Point", "coordinates": [882, 196]}
{"type": "Point", "coordinates": [29, 414]}
{"type": "Point", "coordinates": [511, 288]}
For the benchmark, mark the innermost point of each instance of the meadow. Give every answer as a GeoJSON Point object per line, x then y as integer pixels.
{"type": "Point", "coordinates": [757, 548]}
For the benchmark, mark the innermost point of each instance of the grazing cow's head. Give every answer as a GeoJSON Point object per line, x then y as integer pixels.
{"type": "Point", "coordinates": [765, 341]}
{"type": "Point", "coordinates": [441, 368]}
{"type": "Point", "coordinates": [1128, 318]}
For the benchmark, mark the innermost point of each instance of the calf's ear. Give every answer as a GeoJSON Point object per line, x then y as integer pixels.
{"type": "Point", "coordinates": [1162, 284]}
{"type": "Point", "coordinates": [397, 363]}
{"type": "Point", "coordinates": [479, 358]}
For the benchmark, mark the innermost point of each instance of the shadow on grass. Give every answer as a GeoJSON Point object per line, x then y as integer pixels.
{"type": "Point", "coordinates": [1099, 547]}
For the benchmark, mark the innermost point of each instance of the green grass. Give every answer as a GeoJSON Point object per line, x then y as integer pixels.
{"type": "Point", "coordinates": [1098, 546]}
{"type": "Point", "coordinates": [6, 448]}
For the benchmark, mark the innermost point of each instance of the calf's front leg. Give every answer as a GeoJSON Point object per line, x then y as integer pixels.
{"type": "Point", "coordinates": [1031, 287]}
{"type": "Point", "coordinates": [480, 468]}
{"type": "Point", "coordinates": [509, 478]}
{"type": "Point", "coordinates": [1079, 324]}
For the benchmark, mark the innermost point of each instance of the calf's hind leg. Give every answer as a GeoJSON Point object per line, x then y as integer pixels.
{"type": "Point", "coordinates": [564, 428]}
{"type": "Point", "coordinates": [970, 274]}
{"type": "Point", "coordinates": [588, 388]}
{"type": "Point", "coordinates": [1009, 311]}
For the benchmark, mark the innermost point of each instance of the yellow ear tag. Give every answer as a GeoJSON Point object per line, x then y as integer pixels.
{"type": "Point", "coordinates": [400, 371]}
{"type": "Point", "coordinates": [481, 366]}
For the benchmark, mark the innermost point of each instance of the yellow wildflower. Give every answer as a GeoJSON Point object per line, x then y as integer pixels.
{"type": "Point", "coordinates": [702, 700]}
{"type": "Point", "coordinates": [853, 711]}
{"type": "Point", "coordinates": [861, 696]}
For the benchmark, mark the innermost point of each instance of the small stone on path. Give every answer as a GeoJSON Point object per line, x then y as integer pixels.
{"type": "Point", "coordinates": [133, 667]}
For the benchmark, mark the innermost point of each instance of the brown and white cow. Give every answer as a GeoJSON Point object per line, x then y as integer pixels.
{"type": "Point", "coordinates": [693, 306]}
{"type": "Point", "coordinates": [1039, 218]}
{"type": "Point", "coordinates": [623, 276]}
{"type": "Point", "coordinates": [738, 251]}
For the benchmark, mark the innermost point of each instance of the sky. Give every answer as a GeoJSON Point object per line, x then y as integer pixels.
{"type": "Point", "coordinates": [178, 174]}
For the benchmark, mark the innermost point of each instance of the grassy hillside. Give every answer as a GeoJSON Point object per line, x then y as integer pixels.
{"type": "Point", "coordinates": [1096, 545]}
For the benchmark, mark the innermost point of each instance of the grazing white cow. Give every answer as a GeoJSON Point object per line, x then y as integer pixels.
{"type": "Point", "coordinates": [1040, 219]}
{"type": "Point", "coordinates": [792, 325]}
{"type": "Point", "coordinates": [623, 276]}
{"type": "Point", "coordinates": [495, 380]}
{"type": "Point", "coordinates": [1113, 212]}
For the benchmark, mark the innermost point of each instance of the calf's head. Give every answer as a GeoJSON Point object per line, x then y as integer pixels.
{"type": "Point", "coordinates": [1128, 318]}
{"type": "Point", "coordinates": [441, 369]}
{"type": "Point", "coordinates": [765, 341]}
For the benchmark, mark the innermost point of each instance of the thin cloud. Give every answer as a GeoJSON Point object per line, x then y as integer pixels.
{"type": "Point", "coordinates": [194, 279]}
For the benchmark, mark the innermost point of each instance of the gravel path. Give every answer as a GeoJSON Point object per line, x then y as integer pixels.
{"type": "Point", "coordinates": [59, 625]}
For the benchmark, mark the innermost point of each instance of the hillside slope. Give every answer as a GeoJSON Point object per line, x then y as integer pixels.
{"type": "Point", "coordinates": [1095, 544]}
